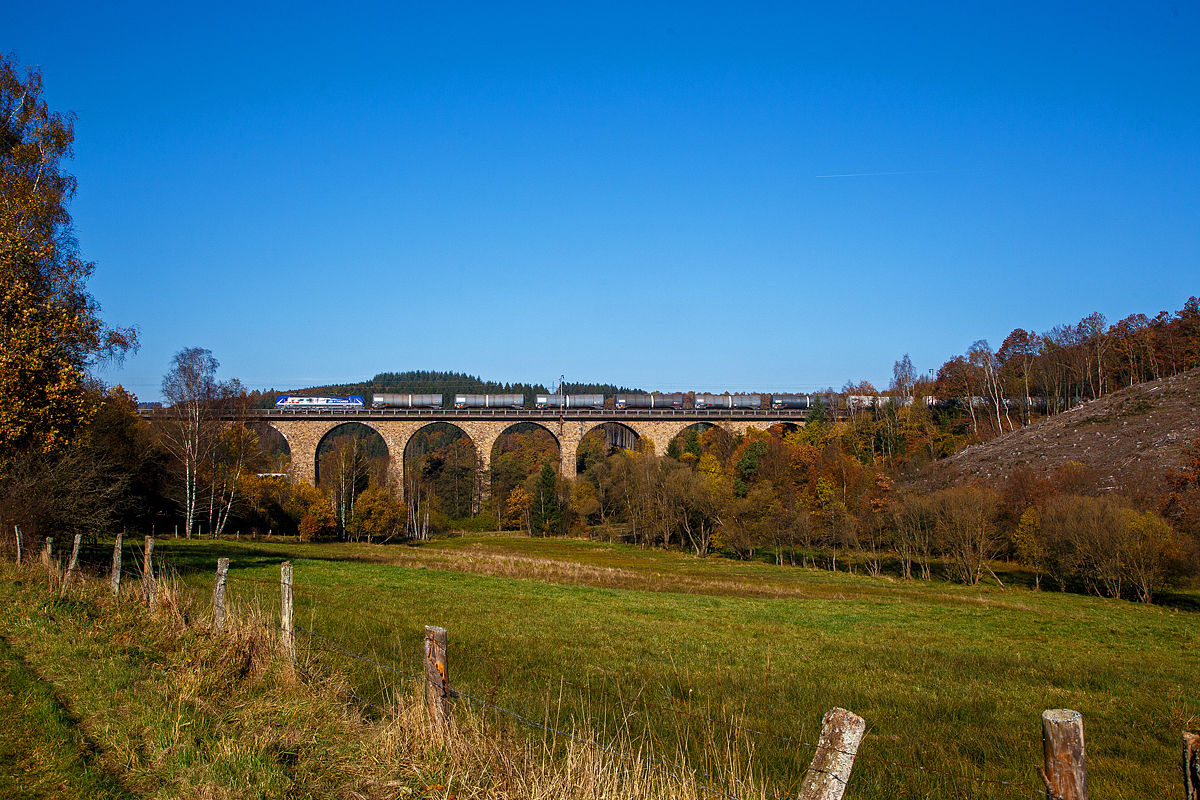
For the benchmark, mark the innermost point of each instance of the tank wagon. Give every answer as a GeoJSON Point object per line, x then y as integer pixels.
{"type": "Point", "coordinates": [789, 402]}
{"type": "Point", "coordinates": [406, 401]}
{"type": "Point", "coordinates": [489, 401]}
{"type": "Point", "coordinates": [793, 402]}
{"type": "Point", "coordinates": [727, 401]}
{"type": "Point", "coordinates": [668, 401]}
{"type": "Point", "coordinates": [297, 401]}
{"type": "Point", "coordinates": [568, 401]}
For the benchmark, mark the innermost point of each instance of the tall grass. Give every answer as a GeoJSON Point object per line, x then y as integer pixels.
{"type": "Point", "coordinates": [745, 658]}
{"type": "Point", "coordinates": [172, 708]}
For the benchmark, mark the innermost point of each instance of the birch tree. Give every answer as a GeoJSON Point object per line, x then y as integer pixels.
{"type": "Point", "coordinates": [904, 377]}
{"type": "Point", "coordinates": [235, 454]}
{"type": "Point", "coordinates": [980, 354]}
{"type": "Point", "coordinates": [191, 430]}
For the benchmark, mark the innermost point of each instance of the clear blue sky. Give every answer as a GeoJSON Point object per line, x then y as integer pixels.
{"type": "Point", "coordinates": [637, 194]}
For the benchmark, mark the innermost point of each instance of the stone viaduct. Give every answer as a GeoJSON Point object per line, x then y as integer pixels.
{"type": "Point", "coordinates": [304, 431]}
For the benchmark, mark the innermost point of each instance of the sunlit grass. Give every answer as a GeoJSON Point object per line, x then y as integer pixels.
{"type": "Point", "coordinates": [162, 705]}
{"type": "Point", "coordinates": [948, 677]}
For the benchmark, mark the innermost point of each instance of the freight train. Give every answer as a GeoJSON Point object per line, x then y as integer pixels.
{"type": "Point", "coordinates": [654, 401]}
{"type": "Point", "coordinates": [669, 402]}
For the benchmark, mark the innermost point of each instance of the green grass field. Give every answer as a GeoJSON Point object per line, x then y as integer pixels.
{"type": "Point", "coordinates": [44, 752]}
{"type": "Point", "coordinates": [655, 645]}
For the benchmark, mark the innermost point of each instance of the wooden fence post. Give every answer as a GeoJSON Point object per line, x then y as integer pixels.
{"type": "Point", "coordinates": [115, 580]}
{"type": "Point", "coordinates": [48, 550]}
{"type": "Point", "coordinates": [17, 529]}
{"type": "Point", "coordinates": [841, 733]}
{"type": "Point", "coordinates": [437, 698]}
{"type": "Point", "coordinates": [148, 574]}
{"type": "Point", "coordinates": [1191, 766]}
{"type": "Point", "coordinates": [1064, 774]}
{"type": "Point", "coordinates": [73, 564]}
{"type": "Point", "coordinates": [219, 594]}
{"type": "Point", "coordinates": [285, 601]}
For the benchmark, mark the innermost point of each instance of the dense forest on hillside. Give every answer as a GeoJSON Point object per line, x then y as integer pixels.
{"type": "Point", "coordinates": [444, 383]}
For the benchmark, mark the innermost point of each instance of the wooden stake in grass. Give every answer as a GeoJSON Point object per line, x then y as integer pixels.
{"type": "Point", "coordinates": [437, 698]}
{"type": "Point", "coordinates": [17, 530]}
{"type": "Point", "coordinates": [285, 608]}
{"type": "Point", "coordinates": [48, 550]}
{"type": "Point", "coordinates": [115, 581]}
{"type": "Point", "coordinates": [1064, 774]}
{"type": "Point", "coordinates": [841, 733]}
{"type": "Point", "coordinates": [1191, 766]}
{"type": "Point", "coordinates": [219, 594]}
{"type": "Point", "coordinates": [148, 574]}
{"type": "Point", "coordinates": [73, 564]}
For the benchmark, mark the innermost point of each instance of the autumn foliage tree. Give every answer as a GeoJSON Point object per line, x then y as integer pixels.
{"type": "Point", "coordinates": [50, 326]}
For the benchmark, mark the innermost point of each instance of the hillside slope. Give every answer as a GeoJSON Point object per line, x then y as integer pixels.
{"type": "Point", "coordinates": [1127, 439]}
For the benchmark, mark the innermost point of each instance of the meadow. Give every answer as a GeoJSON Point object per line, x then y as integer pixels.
{"type": "Point", "coordinates": [688, 659]}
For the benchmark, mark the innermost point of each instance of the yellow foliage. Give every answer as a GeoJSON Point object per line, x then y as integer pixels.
{"type": "Point", "coordinates": [517, 512]}
{"type": "Point", "coordinates": [709, 465]}
{"type": "Point", "coordinates": [310, 506]}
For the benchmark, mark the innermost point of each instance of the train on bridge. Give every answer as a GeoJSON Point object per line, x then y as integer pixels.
{"type": "Point", "coordinates": [670, 402]}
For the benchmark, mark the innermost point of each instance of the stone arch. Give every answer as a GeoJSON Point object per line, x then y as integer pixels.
{"type": "Point", "coordinates": [456, 480]}
{"type": "Point", "coordinates": [616, 434]}
{"type": "Point", "coordinates": [412, 435]}
{"type": "Point", "coordinates": [397, 434]}
{"type": "Point", "coordinates": [725, 443]}
{"type": "Point", "coordinates": [505, 474]}
{"type": "Point", "coordinates": [302, 437]}
{"type": "Point", "coordinates": [557, 437]}
{"type": "Point", "coordinates": [349, 424]}
{"type": "Point", "coordinates": [660, 432]}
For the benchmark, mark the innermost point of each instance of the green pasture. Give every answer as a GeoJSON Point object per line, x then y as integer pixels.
{"type": "Point", "coordinates": [949, 678]}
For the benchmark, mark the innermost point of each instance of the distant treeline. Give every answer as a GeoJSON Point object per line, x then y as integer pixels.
{"type": "Point", "coordinates": [445, 383]}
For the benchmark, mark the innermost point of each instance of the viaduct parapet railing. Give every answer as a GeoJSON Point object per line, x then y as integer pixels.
{"type": "Point", "coordinates": [303, 429]}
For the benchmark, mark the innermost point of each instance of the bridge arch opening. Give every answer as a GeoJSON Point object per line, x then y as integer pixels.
{"type": "Point", "coordinates": [781, 429]}
{"type": "Point", "coordinates": [695, 441]}
{"type": "Point", "coordinates": [277, 453]}
{"type": "Point", "coordinates": [603, 441]}
{"type": "Point", "coordinates": [516, 459]}
{"type": "Point", "coordinates": [350, 458]}
{"type": "Point", "coordinates": [441, 476]}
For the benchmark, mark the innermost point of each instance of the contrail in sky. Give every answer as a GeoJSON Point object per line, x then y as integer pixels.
{"type": "Point", "coordinates": [870, 174]}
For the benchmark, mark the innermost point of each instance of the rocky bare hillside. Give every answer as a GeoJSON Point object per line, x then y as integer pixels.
{"type": "Point", "coordinates": [1127, 439]}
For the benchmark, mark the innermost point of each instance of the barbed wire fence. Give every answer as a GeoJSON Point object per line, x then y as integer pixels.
{"type": "Point", "coordinates": [1063, 774]}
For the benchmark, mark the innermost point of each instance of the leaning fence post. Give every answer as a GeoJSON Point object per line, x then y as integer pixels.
{"type": "Point", "coordinates": [115, 580]}
{"type": "Point", "coordinates": [1191, 766]}
{"type": "Point", "coordinates": [437, 698]}
{"type": "Point", "coordinates": [219, 594]}
{"type": "Point", "coordinates": [148, 574]}
{"type": "Point", "coordinates": [841, 733]}
{"type": "Point", "coordinates": [73, 564]}
{"type": "Point", "coordinates": [17, 528]}
{"type": "Point", "coordinates": [1065, 775]}
{"type": "Point", "coordinates": [48, 550]}
{"type": "Point", "coordinates": [285, 601]}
